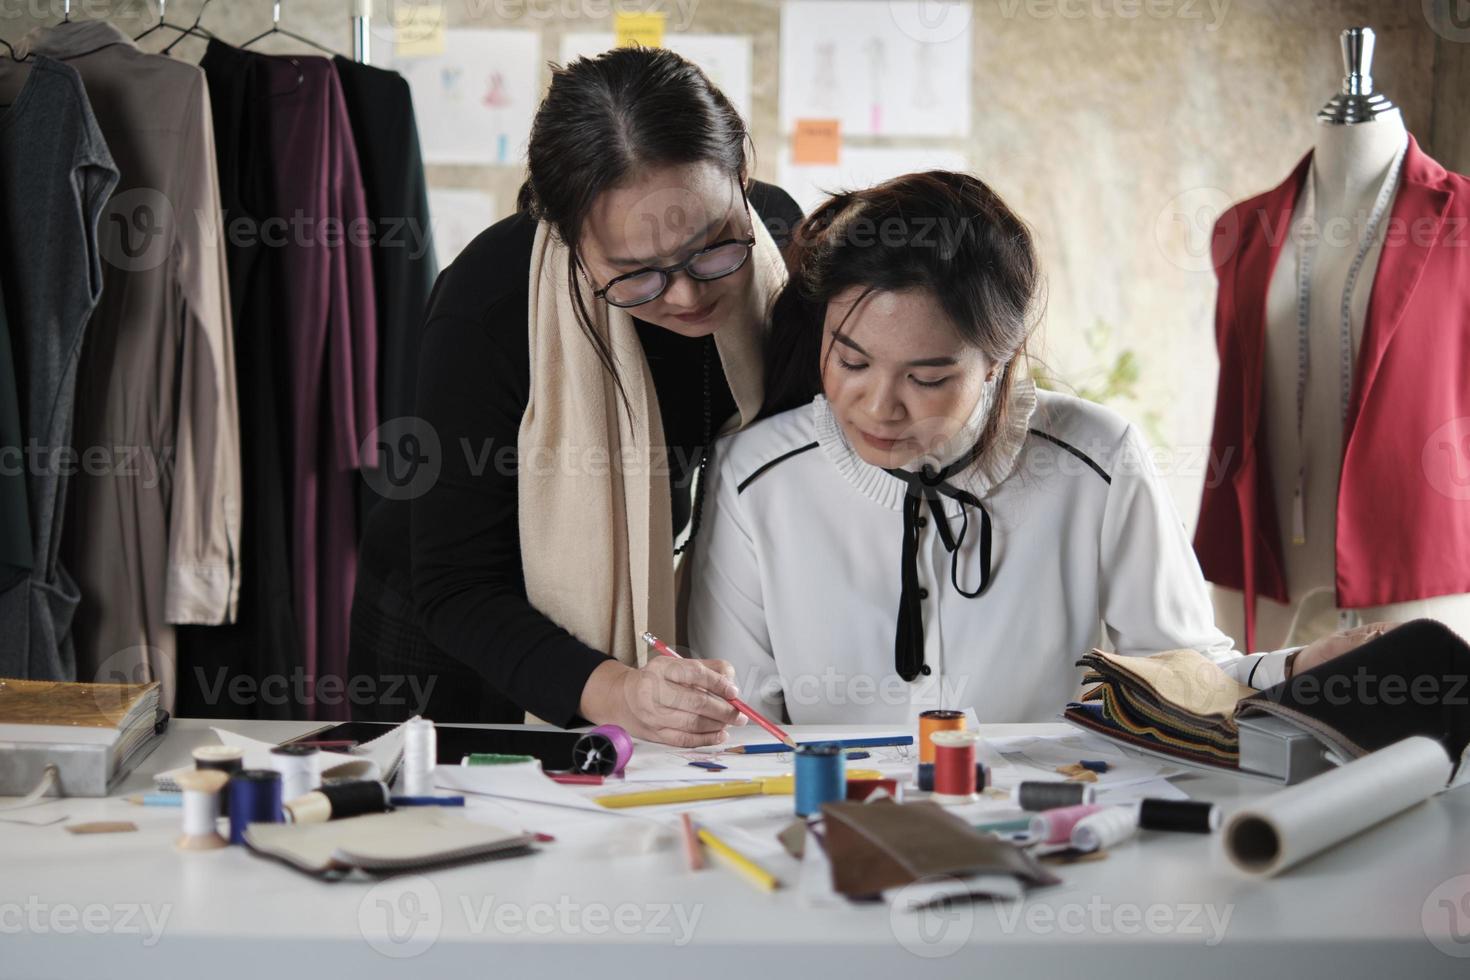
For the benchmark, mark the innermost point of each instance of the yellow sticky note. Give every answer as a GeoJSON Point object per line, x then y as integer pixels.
{"type": "Point", "coordinates": [816, 141]}
{"type": "Point", "coordinates": [418, 29]}
{"type": "Point", "coordinates": [644, 29]}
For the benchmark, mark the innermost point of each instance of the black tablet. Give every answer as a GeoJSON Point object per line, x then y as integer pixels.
{"type": "Point", "coordinates": [554, 749]}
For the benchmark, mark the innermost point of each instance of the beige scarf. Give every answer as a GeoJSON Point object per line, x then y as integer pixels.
{"type": "Point", "coordinates": [597, 539]}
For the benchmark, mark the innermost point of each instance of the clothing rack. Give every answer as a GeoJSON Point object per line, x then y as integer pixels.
{"type": "Point", "coordinates": [362, 22]}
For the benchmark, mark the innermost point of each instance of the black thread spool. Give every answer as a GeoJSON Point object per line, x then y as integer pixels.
{"type": "Point", "coordinates": [1178, 816]}
{"type": "Point", "coordinates": [1038, 795]}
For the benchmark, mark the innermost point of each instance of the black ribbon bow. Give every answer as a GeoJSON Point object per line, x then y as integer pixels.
{"type": "Point", "coordinates": [930, 486]}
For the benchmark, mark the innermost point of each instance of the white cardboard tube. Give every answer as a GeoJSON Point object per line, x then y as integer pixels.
{"type": "Point", "coordinates": [1295, 823]}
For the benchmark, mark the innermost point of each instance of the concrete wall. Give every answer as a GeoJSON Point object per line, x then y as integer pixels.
{"type": "Point", "coordinates": [1117, 128]}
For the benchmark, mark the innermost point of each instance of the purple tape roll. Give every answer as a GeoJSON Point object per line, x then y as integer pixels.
{"type": "Point", "coordinates": [605, 750]}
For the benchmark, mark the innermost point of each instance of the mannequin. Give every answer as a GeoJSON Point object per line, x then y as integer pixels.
{"type": "Point", "coordinates": [1359, 146]}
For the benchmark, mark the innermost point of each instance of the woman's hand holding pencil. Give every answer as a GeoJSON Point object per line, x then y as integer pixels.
{"type": "Point", "coordinates": [679, 702]}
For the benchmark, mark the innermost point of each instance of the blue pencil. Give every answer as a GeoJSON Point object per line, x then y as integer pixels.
{"type": "Point", "coordinates": [846, 743]}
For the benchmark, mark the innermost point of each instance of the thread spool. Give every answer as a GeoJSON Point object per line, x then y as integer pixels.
{"type": "Point", "coordinates": [939, 720]}
{"type": "Point", "coordinates": [1039, 795]}
{"type": "Point", "coordinates": [954, 766]}
{"type": "Point", "coordinates": [255, 797]}
{"type": "Point", "coordinates": [420, 753]}
{"type": "Point", "coordinates": [334, 801]}
{"type": "Point", "coordinates": [299, 766]}
{"type": "Point", "coordinates": [820, 777]}
{"type": "Point", "coordinates": [228, 759]}
{"type": "Point", "coordinates": [1179, 816]}
{"type": "Point", "coordinates": [1108, 827]}
{"type": "Point", "coordinates": [201, 791]}
{"type": "Point", "coordinates": [1055, 826]}
{"type": "Point", "coordinates": [604, 751]}
{"type": "Point", "coordinates": [925, 777]}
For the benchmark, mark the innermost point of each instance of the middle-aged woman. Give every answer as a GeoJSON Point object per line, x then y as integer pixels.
{"type": "Point", "coordinates": [577, 360]}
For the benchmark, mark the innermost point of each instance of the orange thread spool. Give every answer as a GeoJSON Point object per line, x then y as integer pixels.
{"type": "Point", "coordinates": [940, 720]}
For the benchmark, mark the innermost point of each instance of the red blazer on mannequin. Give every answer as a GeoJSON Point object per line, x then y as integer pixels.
{"type": "Point", "coordinates": [1403, 503]}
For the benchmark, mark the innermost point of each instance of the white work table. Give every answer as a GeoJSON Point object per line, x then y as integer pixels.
{"type": "Point", "coordinates": [130, 905]}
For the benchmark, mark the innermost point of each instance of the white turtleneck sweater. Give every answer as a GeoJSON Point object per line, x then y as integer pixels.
{"type": "Point", "coordinates": [796, 576]}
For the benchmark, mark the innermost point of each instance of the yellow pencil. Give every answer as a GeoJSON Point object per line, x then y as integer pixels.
{"type": "Point", "coordinates": [735, 861]}
{"type": "Point", "coordinates": [769, 786]}
{"type": "Point", "coordinates": [683, 794]}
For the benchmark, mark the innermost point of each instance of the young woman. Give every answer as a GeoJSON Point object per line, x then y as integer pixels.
{"type": "Point", "coordinates": [576, 361]}
{"type": "Point", "coordinates": [916, 526]}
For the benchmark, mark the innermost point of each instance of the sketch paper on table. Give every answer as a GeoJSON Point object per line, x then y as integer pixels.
{"type": "Point", "coordinates": [1037, 756]}
{"type": "Point", "coordinates": [458, 216]}
{"type": "Point", "coordinates": [853, 60]}
{"type": "Point", "coordinates": [581, 832]}
{"type": "Point", "coordinates": [475, 101]}
{"type": "Point", "coordinates": [662, 763]}
{"type": "Point", "coordinates": [725, 58]}
{"type": "Point", "coordinates": [860, 167]}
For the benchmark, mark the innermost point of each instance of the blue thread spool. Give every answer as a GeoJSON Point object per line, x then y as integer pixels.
{"type": "Point", "coordinates": [820, 777]}
{"type": "Point", "coordinates": [255, 797]}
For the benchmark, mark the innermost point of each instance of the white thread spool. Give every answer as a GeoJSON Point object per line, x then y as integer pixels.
{"type": "Point", "coordinates": [1105, 828]}
{"type": "Point", "coordinates": [300, 769]}
{"type": "Point", "coordinates": [201, 789]}
{"type": "Point", "coordinates": [420, 753]}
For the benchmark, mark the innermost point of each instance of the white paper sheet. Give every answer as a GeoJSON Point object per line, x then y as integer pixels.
{"type": "Point", "coordinates": [725, 58]}
{"type": "Point", "coordinates": [896, 68]}
{"type": "Point", "coordinates": [474, 102]}
{"type": "Point", "coordinates": [371, 760]}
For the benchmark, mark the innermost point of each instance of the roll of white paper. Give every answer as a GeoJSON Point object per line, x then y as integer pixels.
{"type": "Point", "coordinates": [1291, 825]}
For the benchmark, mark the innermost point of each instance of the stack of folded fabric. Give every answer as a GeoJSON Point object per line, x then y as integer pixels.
{"type": "Point", "coordinates": [1178, 703]}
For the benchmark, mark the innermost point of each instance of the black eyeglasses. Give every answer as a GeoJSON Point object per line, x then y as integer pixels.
{"type": "Point", "coordinates": [715, 262]}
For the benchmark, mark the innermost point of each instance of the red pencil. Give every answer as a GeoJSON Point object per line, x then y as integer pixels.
{"type": "Point", "coordinates": [735, 703]}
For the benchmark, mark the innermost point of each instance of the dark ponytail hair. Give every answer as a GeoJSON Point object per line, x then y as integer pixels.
{"type": "Point", "coordinates": [946, 233]}
{"type": "Point", "coordinates": [603, 120]}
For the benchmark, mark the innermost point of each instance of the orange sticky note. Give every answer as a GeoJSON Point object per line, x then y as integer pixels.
{"type": "Point", "coordinates": [816, 141]}
{"type": "Point", "coordinates": [646, 30]}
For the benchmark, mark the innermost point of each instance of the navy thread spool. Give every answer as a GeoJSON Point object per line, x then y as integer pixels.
{"type": "Point", "coordinates": [1180, 816]}
{"type": "Point", "coordinates": [1036, 795]}
{"type": "Point", "coordinates": [255, 797]}
{"type": "Point", "coordinates": [820, 772]}
{"type": "Point", "coordinates": [926, 777]}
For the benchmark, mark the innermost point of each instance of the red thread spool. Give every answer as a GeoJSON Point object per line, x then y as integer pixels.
{"type": "Point", "coordinates": [954, 766]}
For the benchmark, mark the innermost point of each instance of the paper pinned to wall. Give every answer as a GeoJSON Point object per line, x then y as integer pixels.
{"type": "Point", "coordinates": [458, 215]}
{"type": "Point", "coordinates": [900, 68]}
{"type": "Point", "coordinates": [860, 167]}
{"type": "Point", "coordinates": [646, 29]}
{"type": "Point", "coordinates": [475, 100]}
{"type": "Point", "coordinates": [418, 29]}
{"type": "Point", "coordinates": [725, 58]}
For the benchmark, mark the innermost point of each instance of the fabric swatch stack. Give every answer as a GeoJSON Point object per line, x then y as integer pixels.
{"type": "Point", "coordinates": [1178, 703]}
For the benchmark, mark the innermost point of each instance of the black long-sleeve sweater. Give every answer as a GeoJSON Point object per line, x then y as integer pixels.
{"type": "Point", "coordinates": [461, 537]}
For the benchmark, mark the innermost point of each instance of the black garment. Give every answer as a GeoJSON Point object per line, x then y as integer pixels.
{"type": "Point", "coordinates": [387, 140]}
{"type": "Point", "coordinates": [16, 559]}
{"type": "Point", "coordinates": [250, 668]}
{"type": "Point", "coordinates": [464, 550]}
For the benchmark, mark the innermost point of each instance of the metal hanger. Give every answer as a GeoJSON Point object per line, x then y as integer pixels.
{"type": "Point", "coordinates": [193, 28]}
{"type": "Point", "coordinates": [276, 28]}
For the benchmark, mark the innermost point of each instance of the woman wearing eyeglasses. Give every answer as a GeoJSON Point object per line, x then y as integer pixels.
{"type": "Point", "coordinates": [577, 361]}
